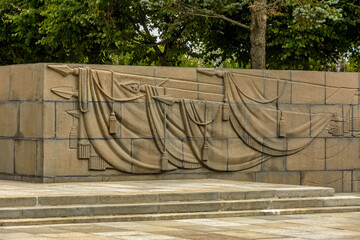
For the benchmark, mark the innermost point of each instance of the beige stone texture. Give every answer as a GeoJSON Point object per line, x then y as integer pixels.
{"type": "Point", "coordinates": [182, 73]}
{"type": "Point", "coordinates": [333, 179]}
{"type": "Point", "coordinates": [151, 156]}
{"type": "Point", "coordinates": [275, 82]}
{"type": "Point", "coordinates": [211, 97]}
{"type": "Point", "coordinates": [340, 87]}
{"type": "Point", "coordinates": [7, 156]}
{"type": "Point", "coordinates": [293, 121]}
{"type": "Point", "coordinates": [211, 88]}
{"type": "Point", "coordinates": [9, 112]}
{"type": "Point", "coordinates": [202, 78]}
{"type": "Point", "coordinates": [53, 79]}
{"type": "Point", "coordinates": [64, 121]}
{"type": "Point", "coordinates": [31, 119]}
{"type": "Point", "coordinates": [133, 112]}
{"type": "Point", "coordinates": [307, 93]}
{"type": "Point", "coordinates": [279, 177]}
{"type": "Point", "coordinates": [347, 183]}
{"type": "Point", "coordinates": [49, 120]}
{"type": "Point", "coordinates": [343, 79]}
{"type": "Point", "coordinates": [311, 77]}
{"type": "Point", "coordinates": [26, 82]}
{"type": "Point", "coordinates": [187, 94]}
{"type": "Point", "coordinates": [311, 158]}
{"type": "Point", "coordinates": [250, 82]}
{"type": "Point", "coordinates": [4, 82]}
{"type": "Point", "coordinates": [342, 153]}
{"type": "Point", "coordinates": [274, 164]}
{"type": "Point", "coordinates": [333, 109]}
{"type": "Point", "coordinates": [356, 181]}
{"type": "Point", "coordinates": [257, 120]}
{"type": "Point", "coordinates": [60, 160]}
{"type": "Point", "coordinates": [27, 157]}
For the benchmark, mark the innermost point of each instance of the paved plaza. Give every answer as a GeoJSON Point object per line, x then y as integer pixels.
{"type": "Point", "coordinates": [308, 226]}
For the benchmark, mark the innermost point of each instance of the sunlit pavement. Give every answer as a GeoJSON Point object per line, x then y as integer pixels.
{"type": "Point", "coordinates": [307, 226]}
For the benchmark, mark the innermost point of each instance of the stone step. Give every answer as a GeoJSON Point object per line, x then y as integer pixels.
{"type": "Point", "coordinates": [173, 216]}
{"type": "Point", "coordinates": [177, 207]}
{"type": "Point", "coordinates": [95, 199]}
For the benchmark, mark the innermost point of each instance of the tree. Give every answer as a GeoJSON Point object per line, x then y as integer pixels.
{"type": "Point", "coordinates": [91, 31]}
{"type": "Point", "coordinates": [252, 15]}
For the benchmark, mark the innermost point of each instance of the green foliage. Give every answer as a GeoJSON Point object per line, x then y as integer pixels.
{"type": "Point", "coordinates": [301, 34]}
{"type": "Point", "coordinates": [91, 31]}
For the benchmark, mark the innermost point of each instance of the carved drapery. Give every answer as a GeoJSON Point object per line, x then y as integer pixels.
{"type": "Point", "coordinates": [239, 133]}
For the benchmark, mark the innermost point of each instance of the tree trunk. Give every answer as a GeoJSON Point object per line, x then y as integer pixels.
{"type": "Point", "coordinates": [257, 34]}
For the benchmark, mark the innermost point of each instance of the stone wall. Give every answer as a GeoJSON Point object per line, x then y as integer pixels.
{"type": "Point", "coordinates": [39, 125]}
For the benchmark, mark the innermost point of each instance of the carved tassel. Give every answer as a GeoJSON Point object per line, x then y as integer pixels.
{"type": "Point", "coordinates": [73, 137]}
{"type": "Point", "coordinates": [225, 111]}
{"type": "Point", "coordinates": [113, 124]}
{"type": "Point", "coordinates": [83, 149]}
{"type": "Point", "coordinates": [282, 125]}
{"type": "Point", "coordinates": [205, 151]}
{"type": "Point", "coordinates": [164, 161]}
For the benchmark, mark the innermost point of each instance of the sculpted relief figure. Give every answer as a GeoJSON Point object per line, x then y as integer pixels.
{"type": "Point", "coordinates": [225, 126]}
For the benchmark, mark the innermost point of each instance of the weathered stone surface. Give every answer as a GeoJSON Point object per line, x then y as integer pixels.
{"type": "Point", "coordinates": [26, 81]}
{"type": "Point", "coordinates": [9, 125]}
{"type": "Point", "coordinates": [311, 158]}
{"type": "Point", "coordinates": [4, 83]}
{"type": "Point", "coordinates": [7, 156]}
{"type": "Point", "coordinates": [31, 119]}
{"type": "Point", "coordinates": [101, 123]}
{"type": "Point", "coordinates": [27, 157]}
{"type": "Point", "coordinates": [332, 179]}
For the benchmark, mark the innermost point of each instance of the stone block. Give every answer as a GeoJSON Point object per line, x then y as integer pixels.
{"type": "Point", "coordinates": [17, 201]}
{"type": "Point", "coordinates": [342, 153]}
{"type": "Point", "coordinates": [29, 75]}
{"type": "Point", "coordinates": [337, 112]}
{"type": "Point", "coordinates": [182, 73]}
{"type": "Point", "coordinates": [49, 120]}
{"type": "Point", "coordinates": [347, 183]}
{"type": "Point", "coordinates": [134, 121]}
{"type": "Point", "coordinates": [212, 97]}
{"type": "Point", "coordinates": [189, 207]}
{"type": "Point", "coordinates": [333, 179]}
{"type": "Point", "coordinates": [7, 156]}
{"type": "Point", "coordinates": [9, 112]}
{"type": "Point", "coordinates": [27, 157]}
{"type": "Point", "coordinates": [311, 77]}
{"type": "Point", "coordinates": [296, 117]}
{"type": "Point", "coordinates": [151, 157]}
{"type": "Point", "coordinates": [64, 121]}
{"type": "Point", "coordinates": [342, 79]}
{"type": "Point", "coordinates": [242, 155]}
{"type": "Point", "coordinates": [52, 79]}
{"type": "Point", "coordinates": [59, 160]}
{"type": "Point", "coordinates": [31, 119]}
{"type": "Point", "coordinates": [311, 158]}
{"type": "Point", "coordinates": [67, 200]}
{"type": "Point", "coordinates": [279, 177]}
{"type": "Point", "coordinates": [187, 94]}
{"type": "Point", "coordinates": [4, 82]}
{"type": "Point", "coordinates": [275, 86]}
{"type": "Point", "coordinates": [274, 164]}
{"type": "Point", "coordinates": [211, 88]}
{"type": "Point", "coordinates": [303, 93]}
{"type": "Point", "coordinates": [202, 78]}
{"type": "Point", "coordinates": [356, 181]}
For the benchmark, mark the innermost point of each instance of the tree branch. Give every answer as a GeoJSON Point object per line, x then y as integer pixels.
{"type": "Point", "coordinates": [203, 13]}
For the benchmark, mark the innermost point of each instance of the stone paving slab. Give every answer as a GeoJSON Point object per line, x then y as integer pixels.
{"type": "Point", "coordinates": [24, 189]}
{"type": "Point", "coordinates": [309, 226]}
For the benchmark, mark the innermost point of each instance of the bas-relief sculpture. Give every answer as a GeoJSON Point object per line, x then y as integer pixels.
{"type": "Point", "coordinates": [227, 126]}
